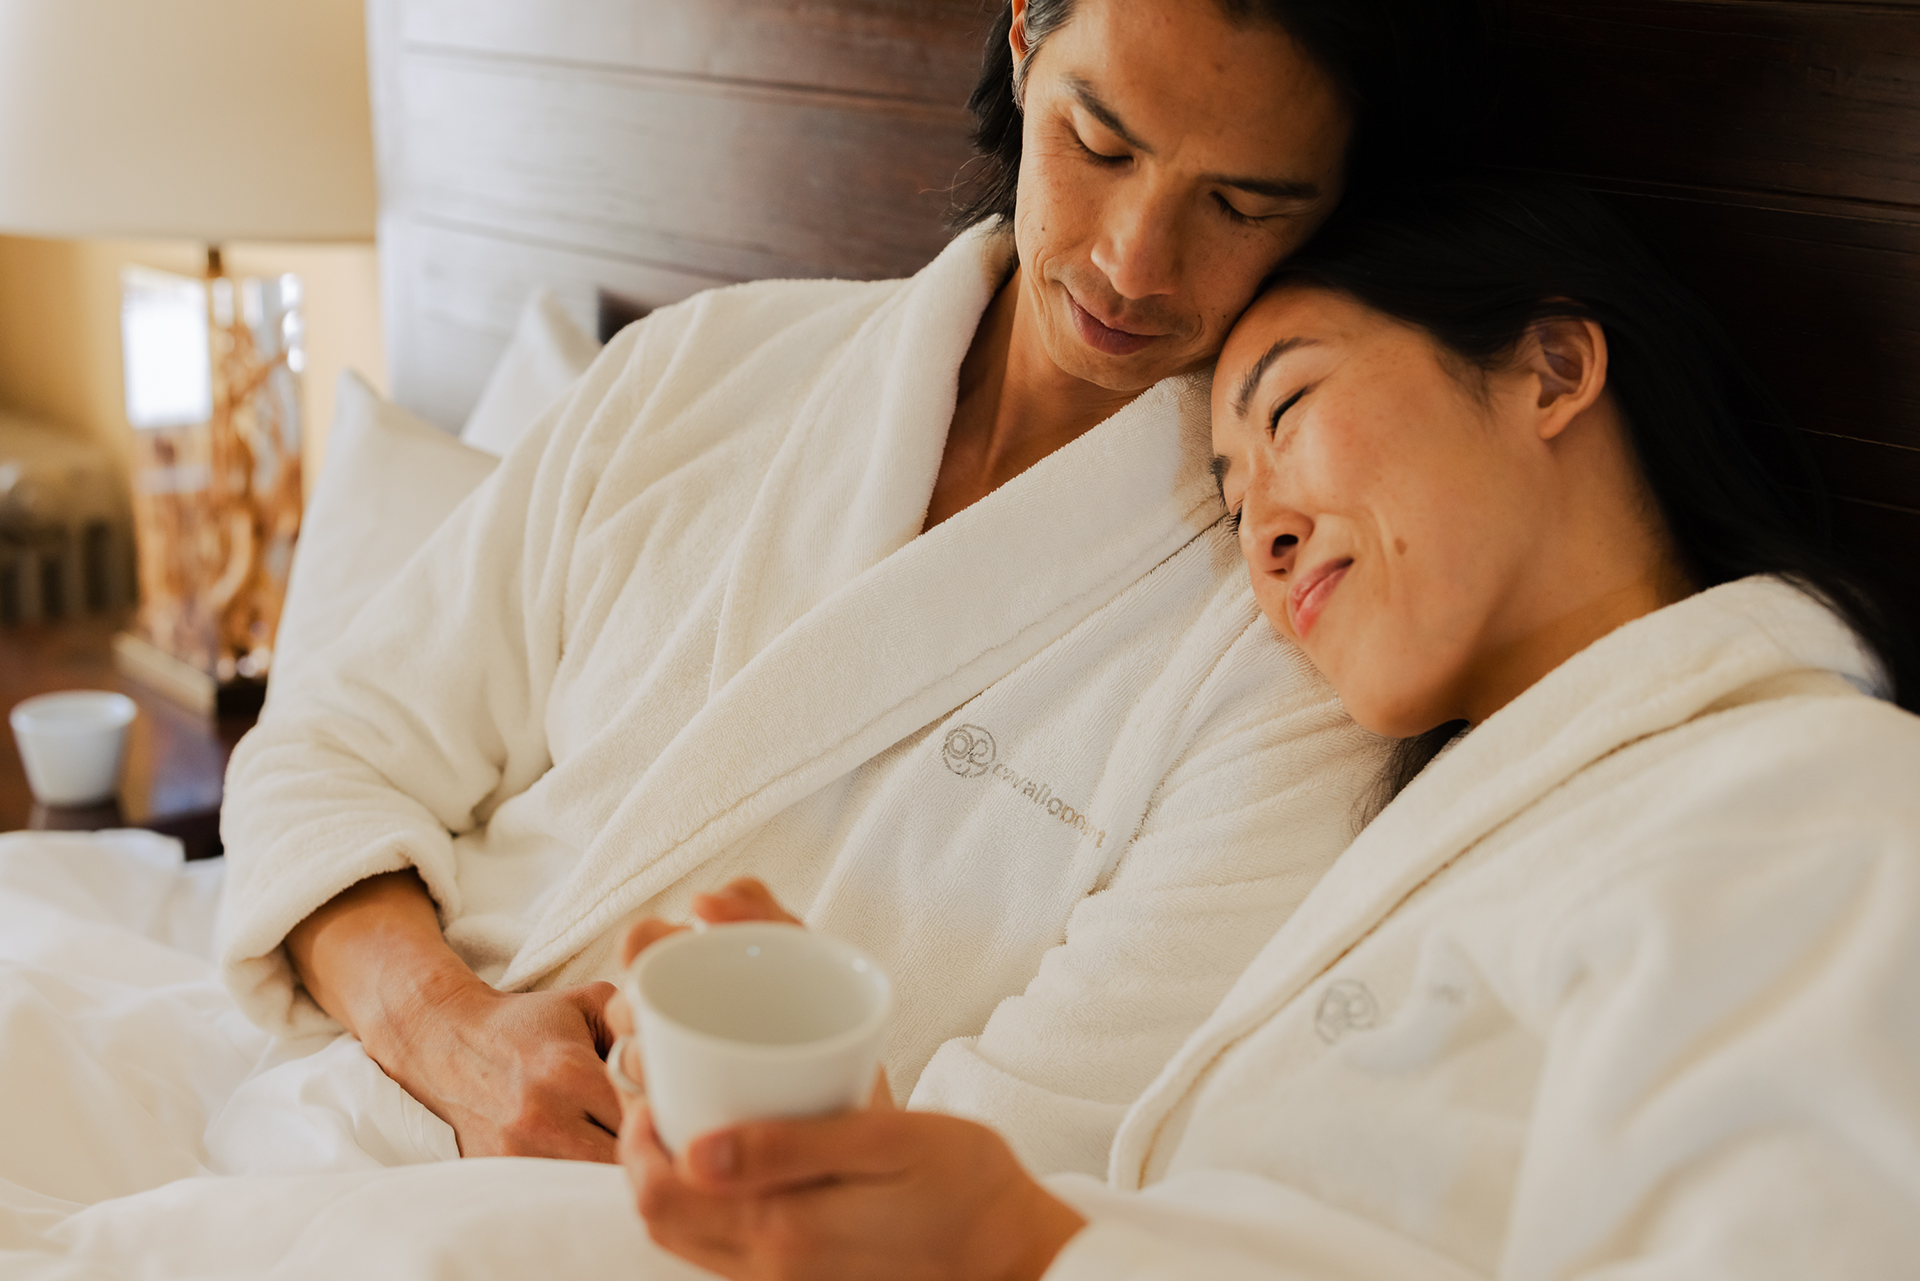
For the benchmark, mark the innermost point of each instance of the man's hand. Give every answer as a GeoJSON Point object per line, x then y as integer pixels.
{"type": "Point", "coordinates": [513, 1073]}
{"type": "Point", "coordinates": [899, 1196]}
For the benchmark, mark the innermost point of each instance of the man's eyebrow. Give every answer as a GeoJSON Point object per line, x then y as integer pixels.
{"type": "Point", "coordinates": [1296, 190]}
{"type": "Point", "coordinates": [1244, 392]}
{"type": "Point", "coordinates": [1300, 191]}
{"type": "Point", "coordinates": [1103, 113]}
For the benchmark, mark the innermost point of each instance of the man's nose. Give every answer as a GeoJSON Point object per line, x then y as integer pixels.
{"type": "Point", "coordinates": [1139, 247]}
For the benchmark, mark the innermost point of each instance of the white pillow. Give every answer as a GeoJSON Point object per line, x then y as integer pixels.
{"type": "Point", "coordinates": [389, 481]}
{"type": "Point", "coordinates": [546, 354]}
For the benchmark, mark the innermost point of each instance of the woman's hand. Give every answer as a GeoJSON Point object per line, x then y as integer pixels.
{"type": "Point", "coordinates": [878, 1193]}
{"type": "Point", "coordinates": [883, 1194]}
{"type": "Point", "coordinates": [743, 900]}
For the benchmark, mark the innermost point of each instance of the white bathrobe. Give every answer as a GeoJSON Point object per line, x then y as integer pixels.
{"type": "Point", "coordinates": [1625, 985]}
{"type": "Point", "coordinates": [690, 630]}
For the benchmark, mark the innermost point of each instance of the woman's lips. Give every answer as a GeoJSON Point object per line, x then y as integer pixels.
{"type": "Point", "coordinates": [1102, 337]}
{"type": "Point", "coordinates": [1312, 590]}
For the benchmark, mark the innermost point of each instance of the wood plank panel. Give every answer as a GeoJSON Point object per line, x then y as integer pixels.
{"type": "Point", "coordinates": [1890, 538]}
{"type": "Point", "coordinates": [1827, 308]}
{"type": "Point", "coordinates": [1757, 95]}
{"type": "Point", "coordinates": [1868, 471]}
{"type": "Point", "coordinates": [452, 309]}
{"type": "Point", "coordinates": [725, 181]}
{"type": "Point", "coordinates": [924, 50]}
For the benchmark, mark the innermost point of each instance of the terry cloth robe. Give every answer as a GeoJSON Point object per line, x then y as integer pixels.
{"type": "Point", "coordinates": [1625, 985]}
{"type": "Point", "coordinates": [690, 630]}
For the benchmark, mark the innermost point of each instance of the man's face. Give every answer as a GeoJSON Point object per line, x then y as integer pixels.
{"type": "Point", "coordinates": [1170, 160]}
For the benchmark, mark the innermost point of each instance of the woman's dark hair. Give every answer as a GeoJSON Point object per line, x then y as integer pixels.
{"type": "Point", "coordinates": [1477, 265]}
{"type": "Point", "coordinates": [1409, 70]}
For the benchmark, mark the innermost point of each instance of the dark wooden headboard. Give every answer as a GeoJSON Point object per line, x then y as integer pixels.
{"type": "Point", "coordinates": [1768, 149]}
{"type": "Point", "coordinates": [651, 148]}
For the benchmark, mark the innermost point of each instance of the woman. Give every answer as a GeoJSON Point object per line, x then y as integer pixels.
{"type": "Point", "coordinates": [1623, 983]}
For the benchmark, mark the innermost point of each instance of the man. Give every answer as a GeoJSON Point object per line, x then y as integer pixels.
{"type": "Point", "coordinates": [909, 599]}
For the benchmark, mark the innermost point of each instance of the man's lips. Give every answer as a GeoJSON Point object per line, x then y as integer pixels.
{"type": "Point", "coordinates": [1103, 337]}
{"type": "Point", "coordinates": [1312, 590]}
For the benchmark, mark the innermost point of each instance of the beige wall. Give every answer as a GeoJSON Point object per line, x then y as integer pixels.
{"type": "Point", "coordinates": [60, 326]}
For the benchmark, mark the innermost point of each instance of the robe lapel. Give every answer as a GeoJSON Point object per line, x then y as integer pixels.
{"type": "Point", "coordinates": [899, 643]}
{"type": "Point", "coordinates": [871, 434]}
{"type": "Point", "coordinates": [1622, 688]}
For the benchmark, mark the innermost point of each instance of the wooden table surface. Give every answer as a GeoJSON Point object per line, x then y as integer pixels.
{"type": "Point", "coordinates": [176, 757]}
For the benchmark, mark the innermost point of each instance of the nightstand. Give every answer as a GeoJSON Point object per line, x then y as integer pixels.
{"type": "Point", "coordinates": [176, 758]}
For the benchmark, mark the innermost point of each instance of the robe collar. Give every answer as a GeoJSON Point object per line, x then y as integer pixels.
{"type": "Point", "coordinates": [844, 629]}
{"type": "Point", "coordinates": [1651, 675]}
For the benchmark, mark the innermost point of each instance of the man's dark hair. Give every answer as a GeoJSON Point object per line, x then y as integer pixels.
{"type": "Point", "coordinates": [1408, 69]}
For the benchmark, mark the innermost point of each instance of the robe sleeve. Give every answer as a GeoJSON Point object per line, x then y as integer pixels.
{"type": "Point", "coordinates": [1254, 809]}
{"type": "Point", "coordinates": [1731, 1077]}
{"type": "Point", "coordinates": [426, 711]}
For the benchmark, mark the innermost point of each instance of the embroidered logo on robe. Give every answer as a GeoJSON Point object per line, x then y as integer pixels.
{"type": "Point", "coordinates": [1347, 1007]}
{"type": "Point", "coordinates": [969, 751]}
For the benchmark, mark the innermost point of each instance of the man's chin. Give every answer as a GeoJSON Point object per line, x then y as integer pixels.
{"type": "Point", "coordinates": [1123, 375]}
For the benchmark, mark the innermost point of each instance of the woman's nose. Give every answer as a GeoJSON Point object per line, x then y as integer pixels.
{"type": "Point", "coordinates": [1271, 534]}
{"type": "Point", "coordinates": [1139, 246]}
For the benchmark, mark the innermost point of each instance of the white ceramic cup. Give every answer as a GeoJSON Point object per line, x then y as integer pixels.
{"type": "Point", "coordinates": [755, 1020]}
{"type": "Point", "coordinates": [72, 744]}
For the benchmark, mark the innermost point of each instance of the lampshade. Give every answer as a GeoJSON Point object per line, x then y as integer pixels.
{"type": "Point", "coordinates": [211, 120]}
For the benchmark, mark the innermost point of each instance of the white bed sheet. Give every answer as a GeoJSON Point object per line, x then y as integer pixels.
{"type": "Point", "coordinates": [147, 1130]}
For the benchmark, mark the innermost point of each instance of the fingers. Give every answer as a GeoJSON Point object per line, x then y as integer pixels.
{"type": "Point", "coordinates": [644, 934]}
{"type": "Point", "coordinates": [603, 1110]}
{"type": "Point", "coordinates": [619, 1016]}
{"type": "Point", "coordinates": [592, 1000]}
{"type": "Point", "coordinates": [628, 1065]}
{"type": "Point", "coordinates": [743, 900]}
{"type": "Point", "coordinates": [699, 1227]}
{"type": "Point", "coordinates": [764, 1156]}
{"type": "Point", "coordinates": [640, 1148]}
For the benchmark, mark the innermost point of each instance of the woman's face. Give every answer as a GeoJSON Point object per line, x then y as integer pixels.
{"type": "Point", "coordinates": [1170, 159]}
{"type": "Point", "coordinates": [1391, 506]}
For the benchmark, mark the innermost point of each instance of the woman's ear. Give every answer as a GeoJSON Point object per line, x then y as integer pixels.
{"type": "Point", "coordinates": [1566, 359]}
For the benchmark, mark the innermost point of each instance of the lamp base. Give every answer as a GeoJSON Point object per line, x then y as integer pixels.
{"type": "Point", "coordinates": [185, 683]}
{"type": "Point", "coordinates": [217, 501]}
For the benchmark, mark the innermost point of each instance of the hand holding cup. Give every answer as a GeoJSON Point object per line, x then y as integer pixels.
{"type": "Point", "coordinates": [749, 1019]}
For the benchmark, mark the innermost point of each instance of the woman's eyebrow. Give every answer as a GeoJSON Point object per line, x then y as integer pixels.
{"type": "Point", "coordinates": [1244, 393]}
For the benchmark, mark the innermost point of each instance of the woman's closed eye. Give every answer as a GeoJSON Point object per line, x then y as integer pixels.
{"type": "Point", "coordinates": [1273, 422]}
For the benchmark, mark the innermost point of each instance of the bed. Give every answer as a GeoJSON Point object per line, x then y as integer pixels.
{"type": "Point", "coordinates": [623, 154]}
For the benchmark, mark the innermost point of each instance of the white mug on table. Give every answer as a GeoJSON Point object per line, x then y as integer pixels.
{"type": "Point", "coordinates": [72, 744]}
